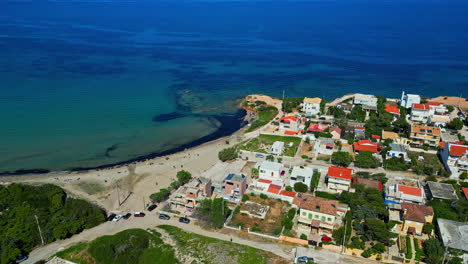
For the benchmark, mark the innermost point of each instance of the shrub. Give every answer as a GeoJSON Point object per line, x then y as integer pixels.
{"type": "Point", "coordinates": [427, 228]}
{"type": "Point", "coordinates": [160, 196]}
{"type": "Point", "coordinates": [409, 250]}
{"type": "Point", "coordinates": [291, 213]}
{"type": "Point", "coordinates": [277, 231]}
{"type": "Point", "coordinates": [303, 237]}
{"type": "Point", "coordinates": [227, 154]}
{"type": "Point", "coordinates": [300, 187]}
{"type": "Point", "coordinates": [341, 158]}
{"type": "Point", "coordinates": [263, 196]}
{"type": "Point", "coordinates": [183, 177]}
{"type": "Point", "coordinates": [241, 224]}
{"type": "Point", "coordinates": [365, 159]}
{"type": "Point", "coordinates": [288, 188]}
{"type": "Point", "coordinates": [245, 197]}
{"type": "Point", "coordinates": [255, 229]}
{"type": "Point", "coordinates": [287, 223]}
{"type": "Point", "coordinates": [236, 210]}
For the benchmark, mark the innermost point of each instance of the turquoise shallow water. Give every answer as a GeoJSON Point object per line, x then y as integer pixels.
{"type": "Point", "coordinates": [81, 83]}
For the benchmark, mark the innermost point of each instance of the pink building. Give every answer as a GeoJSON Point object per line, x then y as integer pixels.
{"type": "Point", "coordinates": [234, 186]}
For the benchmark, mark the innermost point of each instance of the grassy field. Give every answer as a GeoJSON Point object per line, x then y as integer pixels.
{"type": "Point", "coordinates": [129, 246]}
{"type": "Point", "coordinates": [91, 187]}
{"type": "Point", "coordinates": [430, 160]}
{"type": "Point", "coordinates": [213, 251]}
{"type": "Point", "coordinates": [263, 144]}
{"type": "Point", "coordinates": [265, 115]}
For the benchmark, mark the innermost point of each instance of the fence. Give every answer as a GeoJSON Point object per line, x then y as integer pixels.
{"type": "Point", "coordinates": [262, 235]}
{"type": "Point", "coordinates": [294, 240]}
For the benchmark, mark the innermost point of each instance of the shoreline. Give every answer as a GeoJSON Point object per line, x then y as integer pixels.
{"type": "Point", "coordinates": [226, 129]}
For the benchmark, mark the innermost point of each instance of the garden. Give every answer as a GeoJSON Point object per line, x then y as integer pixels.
{"type": "Point", "coordinates": [263, 143]}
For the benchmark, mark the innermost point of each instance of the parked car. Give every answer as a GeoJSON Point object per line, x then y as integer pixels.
{"type": "Point", "coordinates": [303, 260]}
{"type": "Point", "coordinates": [127, 216]}
{"type": "Point", "coordinates": [327, 239]}
{"type": "Point", "coordinates": [151, 207]}
{"type": "Point", "coordinates": [21, 259]}
{"type": "Point", "coordinates": [259, 156]}
{"type": "Point", "coordinates": [322, 118]}
{"type": "Point", "coordinates": [139, 214]}
{"type": "Point", "coordinates": [164, 217]}
{"type": "Point", "coordinates": [117, 218]}
{"type": "Point", "coordinates": [111, 217]}
{"type": "Point", "coordinates": [282, 173]}
{"type": "Point", "coordinates": [184, 220]}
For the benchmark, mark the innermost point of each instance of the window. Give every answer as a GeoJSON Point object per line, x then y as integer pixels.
{"type": "Point", "coordinates": [329, 219]}
{"type": "Point", "coordinates": [304, 214]}
{"type": "Point", "coordinates": [322, 219]}
{"type": "Point", "coordinates": [316, 216]}
{"type": "Point", "coordinates": [310, 216]}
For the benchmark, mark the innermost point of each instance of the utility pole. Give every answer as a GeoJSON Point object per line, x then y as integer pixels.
{"type": "Point", "coordinates": [40, 232]}
{"type": "Point", "coordinates": [143, 203]}
{"type": "Point", "coordinates": [118, 194]}
{"type": "Point", "coordinates": [344, 235]}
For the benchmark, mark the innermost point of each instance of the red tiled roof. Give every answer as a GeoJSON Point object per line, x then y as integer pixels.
{"type": "Point", "coordinates": [316, 204]}
{"type": "Point", "coordinates": [434, 103]}
{"type": "Point", "coordinates": [338, 172]}
{"type": "Point", "coordinates": [376, 137]}
{"type": "Point", "coordinates": [369, 183]}
{"type": "Point", "coordinates": [288, 119]}
{"type": "Point", "coordinates": [336, 129]}
{"type": "Point", "coordinates": [442, 144]}
{"type": "Point", "coordinates": [288, 193]}
{"type": "Point", "coordinates": [289, 132]}
{"type": "Point", "coordinates": [317, 128]}
{"type": "Point", "coordinates": [366, 145]}
{"type": "Point", "coordinates": [425, 129]}
{"type": "Point", "coordinates": [420, 106]}
{"type": "Point", "coordinates": [409, 190]}
{"type": "Point", "coordinates": [457, 150]}
{"type": "Point", "coordinates": [416, 212]}
{"type": "Point", "coordinates": [274, 188]}
{"type": "Point", "coordinates": [264, 181]}
{"type": "Point", "coordinates": [359, 127]}
{"type": "Point", "coordinates": [465, 191]}
{"type": "Point", "coordinates": [392, 109]}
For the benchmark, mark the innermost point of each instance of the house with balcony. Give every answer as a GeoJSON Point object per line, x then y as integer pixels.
{"type": "Point", "coordinates": [431, 112]}
{"type": "Point", "coordinates": [420, 135]}
{"type": "Point", "coordinates": [188, 196]}
{"type": "Point", "coordinates": [311, 106]}
{"type": "Point", "coordinates": [420, 113]}
{"type": "Point", "coordinates": [289, 124]}
{"type": "Point", "coordinates": [455, 157]}
{"type": "Point", "coordinates": [407, 100]}
{"type": "Point", "coordinates": [234, 186]}
{"type": "Point", "coordinates": [394, 136]}
{"type": "Point", "coordinates": [317, 215]}
{"type": "Point", "coordinates": [302, 175]}
{"type": "Point", "coordinates": [269, 170]}
{"type": "Point", "coordinates": [339, 179]}
{"type": "Point", "coordinates": [414, 217]}
{"type": "Point", "coordinates": [398, 194]}
{"type": "Point", "coordinates": [365, 99]}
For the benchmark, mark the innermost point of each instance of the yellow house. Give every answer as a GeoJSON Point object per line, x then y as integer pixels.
{"type": "Point", "coordinates": [415, 216]}
{"type": "Point", "coordinates": [421, 135]}
{"type": "Point", "coordinates": [317, 215]}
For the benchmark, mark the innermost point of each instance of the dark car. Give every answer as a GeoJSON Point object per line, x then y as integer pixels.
{"type": "Point", "coordinates": [151, 207]}
{"type": "Point", "coordinates": [126, 216]}
{"type": "Point", "coordinates": [111, 217]}
{"type": "Point", "coordinates": [326, 239]}
{"type": "Point", "coordinates": [259, 156]}
{"type": "Point", "coordinates": [282, 173]}
{"type": "Point", "coordinates": [303, 260]}
{"type": "Point", "coordinates": [21, 259]}
{"type": "Point", "coordinates": [139, 214]}
{"type": "Point", "coordinates": [184, 220]}
{"type": "Point", "coordinates": [164, 217]}
{"type": "Point", "coordinates": [322, 118]}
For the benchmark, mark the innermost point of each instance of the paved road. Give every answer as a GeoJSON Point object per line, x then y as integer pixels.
{"type": "Point", "coordinates": [151, 220]}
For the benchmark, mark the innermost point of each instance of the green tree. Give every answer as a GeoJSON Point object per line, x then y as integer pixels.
{"type": "Point", "coordinates": [357, 114]}
{"type": "Point", "coordinates": [300, 187]}
{"type": "Point", "coordinates": [365, 159]}
{"type": "Point", "coordinates": [160, 196]}
{"type": "Point", "coordinates": [314, 182]}
{"type": "Point", "coordinates": [227, 154]}
{"type": "Point", "coordinates": [456, 124]}
{"type": "Point", "coordinates": [290, 103]}
{"type": "Point", "coordinates": [291, 213]}
{"type": "Point", "coordinates": [183, 177]}
{"type": "Point", "coordinates": [322, 106]}
{"type": "Point", "coordinates": [427, 228]}
{"type": "Point", "coordinates": [376, 229]}
{"type": "Point", "coordinates": [288, 188]}
{"type": "Point", "coordinates": [434, 251]}
{"type": "Point", "coordinates": [341, 158]}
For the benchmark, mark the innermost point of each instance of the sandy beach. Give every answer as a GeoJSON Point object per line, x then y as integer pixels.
{"type": "Point", "coordinates": [133, 183]}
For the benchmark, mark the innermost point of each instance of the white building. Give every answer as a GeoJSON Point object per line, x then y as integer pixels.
{"type": "Point", "coordinates": [405, 194]}
{"type": "Point", "coordinates": [303, 175]}
{"type": "Point", "coordinates": [277, 148]}
{"type": "Point", "coordinates": [270, 170]}
{"type": "Point", "coordinates": [398, 151]}
{"type": "Point", "coordinates": [430, 112]}
{"type": "Point", "coordinates": [365, 99]}
{"type": "Point", "coordinates": [407, 100]}
{"type": "Point", "coordinates": [420, 113]}
{"type": "Point", "coordinates": [324, 146]}
{"type": "Point", "coordinates": [311, 106]}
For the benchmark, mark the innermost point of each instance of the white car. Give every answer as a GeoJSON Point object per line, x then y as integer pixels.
{"type": "Point", "coordinates": [117, 218]}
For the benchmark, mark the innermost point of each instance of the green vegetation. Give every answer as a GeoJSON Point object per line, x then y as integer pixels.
{"type": "Point", "coordinates": [160, 196]}
{"type": "Point", "coordinates": [314, 182]}
{"type": "Point", "coordinates": [323, 104]}
{"type": "Point", "coordinates": [409, 249]}
{"type": "Point", "coordinates": [289, 104]}
{"type": "Point", "coordinates": [245, 197]}
{"type": "Point", "coordinates": [59, 217]}
{"type": "Point", "coordinates": [265, 115]}
{"type": "Point", "coordinates": [91, 187]}
{"type": "Point", "coordinates": [227, 154]}
{"type": "Point", "coordinates": [376, 176]}
{"type": "Point", "coordinates": [456, 210]}
{"type": "Point", "coordinates": [263, 144]}
{"type": "Point", "coordinates": [450, 108]}
{"type": "Point", "coordinates": [212, 213]}
{"type": "Point", "coordinates": [357, 114]}
{"type": "Point", "coordinates": [456, 124]}
{"type": "Point", "coordinates": [300, 187]}
{"type": "Point", "coordinates": [375, 249]}
{"type": "Point", "coordinates": [396, 164]}
{"type": "Point", "coordinates": [183, 177]}
{"type": "Point", "coordinates": [326, 195]}
{"type": "Point", "coordinates": [213, 251]}
{"type": "Point", "coordinates": [341, 158]}
{"type": "Point", "coordinates": [433, 250]}
{"type": "Point", "coordinates": [429, 165]}
{"type": "Point", "coordinates": [263, 196]}
{"type": "Point", "coordinates": [418, 250]}
{"type": "Point", "coordinates": [365, 159]}
{"type": "Point", "coordinates": [336, 112]}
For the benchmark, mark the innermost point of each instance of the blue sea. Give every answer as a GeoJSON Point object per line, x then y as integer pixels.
{"type": "Point", "coordinates": [91, 83]}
